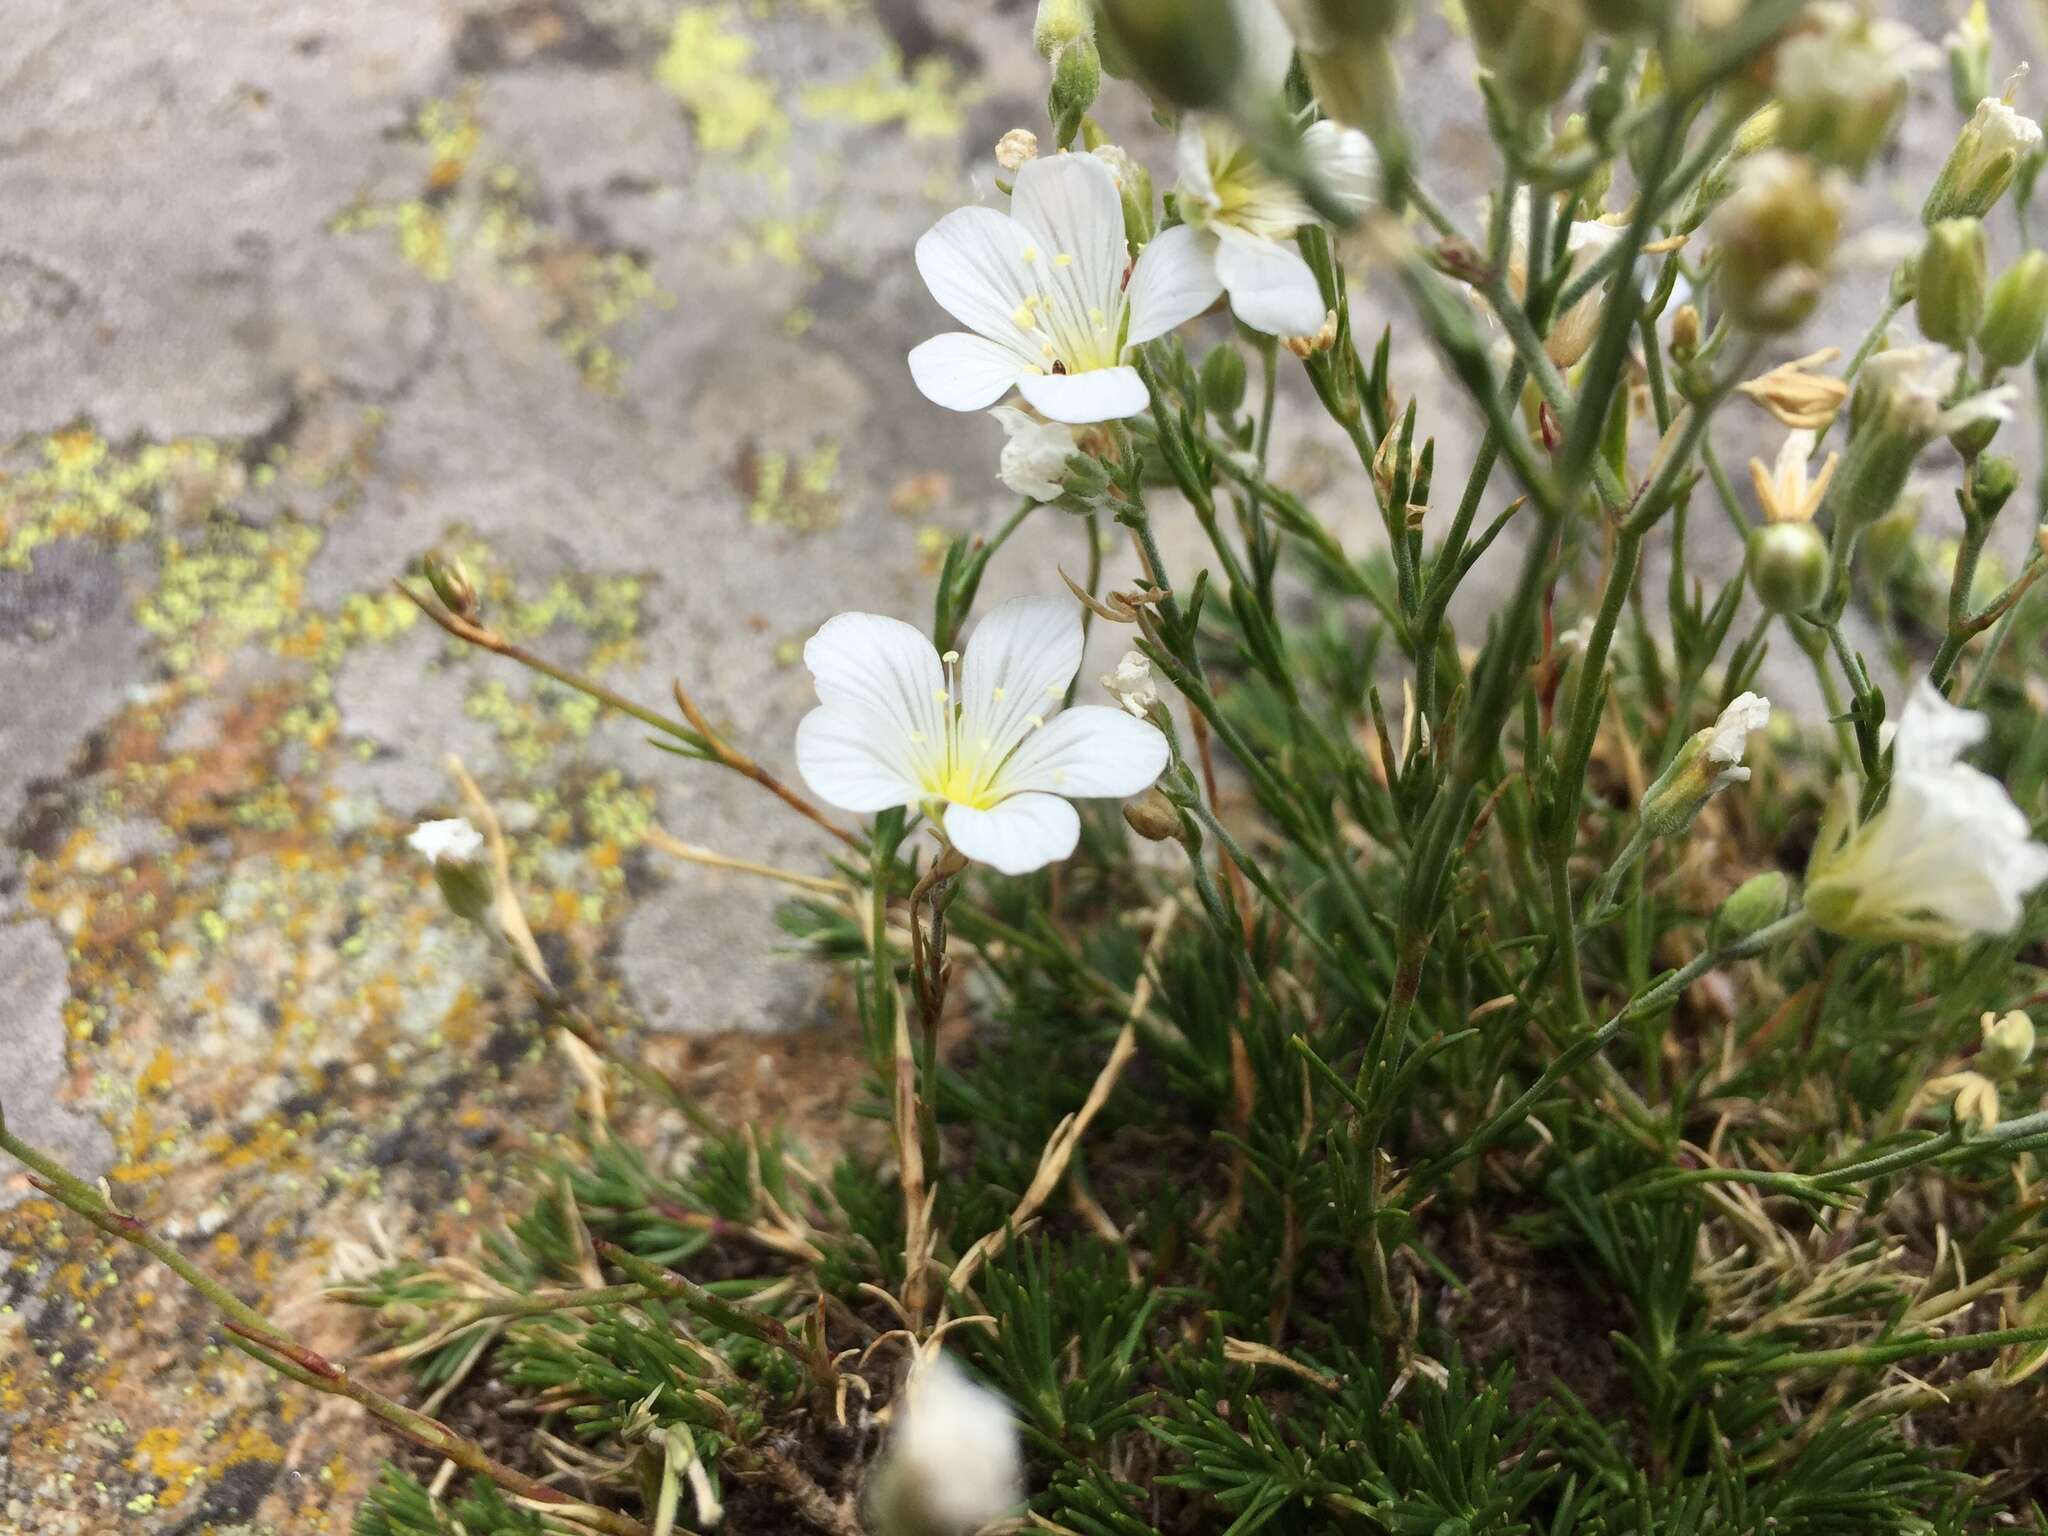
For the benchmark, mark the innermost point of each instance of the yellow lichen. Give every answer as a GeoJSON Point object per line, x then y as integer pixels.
{"type": "Point", "coordinates": [705, 67]}
{"type": "Point", "coordinates": [928, 101]}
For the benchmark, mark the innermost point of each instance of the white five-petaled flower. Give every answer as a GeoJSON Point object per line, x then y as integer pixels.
{"type": "Point", "coordinates": [1034, 453]}
{"type": "Point", "coordinates": [1948, 855]}
{"type": "Point", "coordinates": [953, 1462]}
{"type": "Point", "coordinates": [1052, 298]}
{"type": "Point", "coordinates": [1248, 216]}
{"type": "Point", "coordinates": [980, 741]}
{"type": "Point", "coordinates": [446, 842]}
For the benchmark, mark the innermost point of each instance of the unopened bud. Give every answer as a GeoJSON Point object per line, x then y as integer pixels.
{"type": "Point", "coordinates": [1153, 818]}
{"type": "Point", "coordinates": [1187, 52]}
{"type": "Point", "coordinates": [1059, 23]}
{"type": "Point", "coordinates": [1076, 80]}
{"type": "Point", "coordinates": [1755, 904]}
{"type": "Point", "coordinates": [1993, 484]}
{"type": "Point", "coordinates": [1016, 147]}
{"type": "Point", "coordinates": [2008, 1043]}
{"type": "Point", "coordinates": [1356, 81]}
{"type": "Point", "coordinates": [1223, 380]}
{"type": "Point", "coordinates": [1955, 273]}
{"type": "Point", "coordinates": [1968, 46]}
{"type": "Point", "coordinates": [1685, 334]}
{"type": "Point", "coordinates": [451, 584]}
{"type": "Point", "coordinates": [1981, 167]}
{"type": "Point", "coordinates": [1888, 541]}
{"type": "Point", "coordinates": [1541, 43]}
{"type": "Point", "coordinates": [2016, 313]}
{"type": "Point", "coordinates": [1776, 235]}
{"type": "Point", "coordinates": [1788, 566]}
{"type": "Point", "coordinates": [1708, 763]}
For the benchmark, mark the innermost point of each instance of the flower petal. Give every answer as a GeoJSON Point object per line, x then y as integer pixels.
{"type": "Point", "coordinates": [1022, 833]}
{"type": "Point", "coordinates": [1086, 751]}
{"type": "Point", "coordinates": [1174, 281]}
{"type": "Point", "coordinates": [962, 372]}
{"type": "Point", "coordinates": [887, 672]}
{"type": "Point", "coordinates": [1019, 661]}
{"type": "Point", "coordinates": [973, 262]}
{"type": "Point", "coordinates": [1266, 46]}
{"type": "Point", "coordinates": [1933, 733]}
{"type": "Point", "coordinates": [1067, 206]}
{"type": "Point", "coordinates": [849, 763]}
{"type": "Point", "coordinates": [1103, 394]}
{"type": "Point", "coordinates": [1271, 288]}
{"type": "Point", "coordinates": [1347, 162]}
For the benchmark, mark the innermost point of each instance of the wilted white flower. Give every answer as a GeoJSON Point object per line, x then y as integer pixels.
{"type": "Point", "coordinates": [1987, 157]}
{"type": "Point", "coordinates": [981, 743]}
{"type": "Point", "coordinates": [1843, 79]}
{"type": "Point", "coordinates": [1034, 453]}
{"type": "Point", "coordinates": [1948, 855]}
{"type": "Point", "coordinates": [1906, 390]}
{"type": "Point", "coordinates": [1571, 333]}
{"type": "Point", "coordinates": [446, 842]}
{"type": "Point", "coordinates": [1132, 683]}
{"type": "Point", "coordinates": [1052, 298]}
{"type": "Point", "coordinates": [1249, 216]}
{"type": "Point", "coordinates": [1786, 492]}
{"type": "Point", "coordinates": [954, 1461]}
{"type": "Point", "coordinates": [1707, 764]}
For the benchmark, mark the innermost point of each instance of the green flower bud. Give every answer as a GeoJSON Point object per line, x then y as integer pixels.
{"type": "Point", "coordinates": [1776, 235]}
{"type": "Point", "coordinates": [1059, 23]}
{"type": "Point", "coordinates": [451, 584]}
{"type": "Point", "coordinates": [1357, 83]}
{"type": "Point", "coordinates": [1955, 274]}
{"type": "Point", "coordinates": [1969, 58]}
{"type": "Point", "coordinates": [1223, 380]}
{"type": "Point", "coordinates": [2016, 314]}
{"type": "Point", "coordinates": [1756, 903]}
{"type": "Point", "coordinates": [2008, 1043]}
{"type": "Point", "coordinates": [1788, 566]}
{"type": "Point", "coordinates": [1982, 166]}
{"type": "Point", "coordinates": [1153, 818]}
{"type": "Point", "coordinates": [1184, 51]}
{"type": "Point", "coordinates": [1076, 80]}
{"type": "Point", "coordinates": [1708, 763]}
{"type": "Point", "coordinates": [1889, 539]}
{"type": "Point", "coordinates": [1541, 44]}
{"type": "Point", "coordinates": [1995, 481]}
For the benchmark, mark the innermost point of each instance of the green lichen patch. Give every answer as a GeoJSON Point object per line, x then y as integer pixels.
{"type": "Point", "coordinates": [798, 492]}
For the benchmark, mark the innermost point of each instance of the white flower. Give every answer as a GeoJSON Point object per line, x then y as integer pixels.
{"type": "Point", "coordinates": [954, 1461]}
{"type": "Point", "coordinates": [1266, 42]}
{"type": "Point", "coordinates": [1843, 79]}
{"type": "Point", "coordinates": [1248, 216]}
{"type": "Point", "coordinates": [1051, 296]}
{"type": "Point", "coordinates": [1948, 855]}
{"type": "Point", "coordinates": [1996, 130]}
{"type": "Point", "coordinates": [1709, 762]}
{"type": "Point", "coordinates": [446, 842]}
{"type": "Point", "coordinates": [1729, 735]}
{"type": "Point", "coordinates": [1908, 389]}
{"type": "Point", "coordinates": [1987, 156]}
{"type": "Point", "coordinates": [1034, 453]}
{"type": "Point", "coordinates": [980, 742]}
{"type": "Point", "coordinates": [1132, 683]}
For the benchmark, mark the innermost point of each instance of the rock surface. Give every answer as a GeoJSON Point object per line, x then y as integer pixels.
{"type": "Point", "coordinates": [612, 297]}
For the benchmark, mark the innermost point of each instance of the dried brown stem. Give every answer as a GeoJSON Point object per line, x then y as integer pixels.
{"type": "Point", "coordinates": [740, 763]}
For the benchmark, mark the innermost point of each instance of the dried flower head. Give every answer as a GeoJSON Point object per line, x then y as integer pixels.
{"type": "Point", "coordinates": [1796, 395]}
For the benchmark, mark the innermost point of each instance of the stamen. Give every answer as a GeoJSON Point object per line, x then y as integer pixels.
{"type": "Point", "coordinates": [1000, 692]}
{"type": "Point", "coordinates": [1022, 316]}
{"type": "Point", "coordinates": [1037, 720]}
{"type": "Point", "coordinates": [950, 657]}
{"type": "Point", "coordinates": [1030, 253]}
{"type": "Point", "coordinates": [1063, 260]}
{"type": "Point", "coordinates": [939, 694]}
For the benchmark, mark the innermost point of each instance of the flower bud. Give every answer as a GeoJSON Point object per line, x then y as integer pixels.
{"type": "Point", "coordinates": [1059, 23]}
{"type": "Point", "coordinates": [1756, 903]}
{"type": "Point", "coordinates": [1776, 235]}
{"type": "Point", "coordinates": [1889, 539]}
{"type": "Point", "coordinates": [1788, 566]}
{"type": "Point", "coordinates": [1955, 272]}
{"type": "Point", "coordinates": [1187, 52]}
{"type": "Point", "coordinates": [1982, 165]}
{"type": "Point", "coordinates": [1685, 334]}
{"type": "Point", "coordinates": [1133, 190]}
{"type": "Point", "coordinates": [1223, 380]}
{"type": "Point", "coordinates": [2016, 314]}
{"type": "Point", "coordinates": [1153, 818]}
{"type": "Point", "coordinates": [1539, 46]}
{"type": "Point", "coordinates": [2008, 1043]}
{"type": "Point", "coordinates": [451, 584]}
{"type": "Point", "coordinates": [456, 851]}
{"type": "Point", "coordinates": [1995, 481]}
{"type": "Point", "coordinates": [1968, 46]}
{"type": "Point", "coordinates": [1076, 80]}
{"type": "Point", "coordinates": [1843, 79]}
